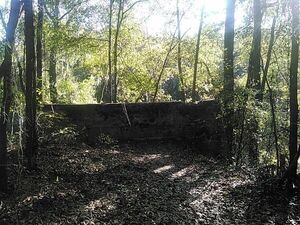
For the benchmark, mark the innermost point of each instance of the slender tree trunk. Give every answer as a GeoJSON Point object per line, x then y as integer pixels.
{"type": "Point", "coordinates": [271, 97]}
{"type": "Point", "coordinates": [274, 124]}
{"type": "Point", "coordinates": [269, 55]}
{"type": "Point", "coordinates": [39, 49]}
{"type": "Point", "coordinates": [197, 55]}
{"type": "Point", "coordinates": [293, 86]}
{"type": "Point", "coordinates": [110, 77]}
{"type": "Point", "coordinates": [115, 52]}
{"type": "Point", "coordinates": [53, 75]}
{"type": "Point", "coordinates": [30, 98]}
{"type": "Point", "coordinates": [5, 72]}
{"type": "Point", "coordinates": [171, 48]}
{"type": "Point", "coordinates": [53, 56]}
{"type": "Point", "coordinates": [179, 57]}
{"type": "Point", "coordinates": [229, 73]}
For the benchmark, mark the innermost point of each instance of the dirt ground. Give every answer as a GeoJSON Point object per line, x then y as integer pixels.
{"type": "Point", "coordinates": [144, 183]}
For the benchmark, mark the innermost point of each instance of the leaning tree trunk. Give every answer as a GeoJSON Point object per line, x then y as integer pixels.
{"type": "Point", "coordinates": [5, 72]}
{"type": "Point", "coordinates": [30, 98]}
{"type": "Point", "coordinates": [294, 88]}
{"type": "Point", "coordinates": [229, 74]}
{"type": "Point", "coordinates": [170, 49]}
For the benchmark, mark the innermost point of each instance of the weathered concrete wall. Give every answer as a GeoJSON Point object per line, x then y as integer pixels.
{"type": "Point", "coordinates": [149, 121]}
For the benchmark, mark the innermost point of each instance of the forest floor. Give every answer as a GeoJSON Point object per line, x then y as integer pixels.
{"type": "Point", "coordinates": [145, 183]}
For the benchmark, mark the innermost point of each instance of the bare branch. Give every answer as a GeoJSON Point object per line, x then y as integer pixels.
{"type": "Point", "coordinates": [2, 19]}
{"type": "Point", "coordinates": [71, 9]}
{"type": "Point", "coordinates": [48, 12]}
{"type": "Point", "coordinates": [132, 5]}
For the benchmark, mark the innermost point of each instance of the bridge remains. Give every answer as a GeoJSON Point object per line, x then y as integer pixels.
{"type": "Point", "coordinates": [196, 124]}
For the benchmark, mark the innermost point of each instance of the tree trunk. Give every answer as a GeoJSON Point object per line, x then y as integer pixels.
{"type": "Point", "coordinates": [271, 98]}
{"type": "Point", "coordinates": [269, 55]}
{"type": "Point", "coordinates": [254, 78]}
{"type": "Point", "coordinates": [53, 56]}
{"type": "Point", "coordinates": [229, 74]}
{"type": "Point", "coordinates": [274, 124]}
{"type": "Point", "coordinates": [254, 61]}
{"type": "Point", "coordinates": [5, 72]}
{"type": "Point", "coordinates": [31, 143]}
{"type": "Point", "coordinates": [179, 58]}
{"type": "Point", "coordinates": [293, 86]}
{"type": "Point", "coordinates": [197, 56]}
{"type": "Point", "coordinates": [39, 50]}
{"type": "Point", "coordinates": [115, 52]}
{"type": "Point", "coordinates": [110, 79]}
{"type": "Point", "coordinates": [56, 18]}
{"type": "Point", "coordinates": [171, 48]}
{"type": "Point", "coordinates": [53, 75]}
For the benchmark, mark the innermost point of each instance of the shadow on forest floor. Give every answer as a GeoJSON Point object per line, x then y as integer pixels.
{"type": "Point", "coordinates": [140, 184]}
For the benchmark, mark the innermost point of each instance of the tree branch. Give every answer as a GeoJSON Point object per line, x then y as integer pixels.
{"type": "Point", "coordinates": [132, 5]}
{"type": "Point", "coordinates": [70, 10]}
{"type": "Point", "coordinates": [2, 19]}
{"type": "Point", "coordinates": [48, 12]}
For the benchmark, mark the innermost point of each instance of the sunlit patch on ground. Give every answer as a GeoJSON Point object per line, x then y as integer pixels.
{"type": "Point", "coordinates": [183, 172]}
{"type": "Point", "coordinates": [114, 152]}
{"type": "Point", "coordinates": [163, 169]}
{"type": "Point", "coordinates": [104, 204]}
{"type": "Point", "coordinates": [146, 158]}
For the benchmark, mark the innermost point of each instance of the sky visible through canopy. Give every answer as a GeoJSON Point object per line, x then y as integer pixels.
{"type": "Point", "coordinates": [158, 16]}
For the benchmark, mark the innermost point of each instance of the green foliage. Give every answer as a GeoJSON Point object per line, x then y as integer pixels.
{"type": "Point", "coordinates": [80, 41]}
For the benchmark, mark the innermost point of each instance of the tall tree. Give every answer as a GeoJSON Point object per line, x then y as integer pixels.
{"type": "Point", "coordinates": [39, 49]}
{"type": "Point", "coordinates": [294, 86]}
{"type": "Point", "coordinates": [115, 52]}
{"type": "Point", "coordinates": [53, 53]}
{"type": "Point", "coordinates": [254, 78]}
{"type": "Point", "coordinates": [229, 72]}
{"type": "Point", "coordinates": [6, 74]}
{"type": "Point", "coordinates": [197, 55]}
{"type": "Point", "coordinates": [254, 69]}
{"type": "Point", "coordinates": [55, 16]}
{"type": "Point", "coordinates": [110, 76]}
{"type": "Point", "coordinates": [171, 47]}
{"type": "Point", "coordinates": [179, 55]}
{"type": "Point", "coordinates": [265, 82]}
{"type": "Point", "coordinates": [31, 144]}
{"type": "Point", "coordinates": [121, 15]}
